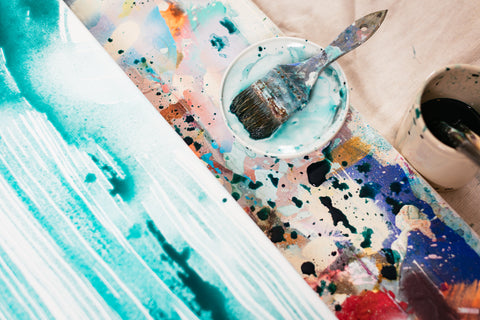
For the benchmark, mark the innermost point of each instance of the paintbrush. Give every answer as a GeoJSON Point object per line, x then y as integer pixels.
{"type": "Point", "coordinates": [466, 143]}
{"type": "Point", "coordinates": [267, 103]}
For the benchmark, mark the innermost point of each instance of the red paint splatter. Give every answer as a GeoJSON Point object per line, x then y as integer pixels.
{"type": "Point", "coordinates": [370, 305]}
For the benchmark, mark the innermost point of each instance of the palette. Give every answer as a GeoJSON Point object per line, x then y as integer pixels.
{"type": "Point", "coordinates": [306, 131]}
{"type": "Point", "coordinates": [365, 232]}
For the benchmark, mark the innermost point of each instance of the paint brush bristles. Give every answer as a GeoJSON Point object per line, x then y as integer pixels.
{"type": "Point", "coordinates": [270, 101]}
{"type": "Point", "coordinates": [255, 114]}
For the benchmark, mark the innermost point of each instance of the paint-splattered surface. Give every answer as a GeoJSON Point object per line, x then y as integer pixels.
{"type": "Point", "coordinates": [349, 219]}
{"type": "Point", "coordinates": [104, 212]}
{"type": "Point", "coordinates": [366, 233]}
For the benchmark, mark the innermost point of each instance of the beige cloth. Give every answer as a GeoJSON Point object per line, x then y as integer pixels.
{"type": "Point", "coordinates": [385, 73]}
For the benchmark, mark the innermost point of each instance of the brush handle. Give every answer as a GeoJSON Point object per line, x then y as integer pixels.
{"type": "Point", "coordinates": [470, 134]}
{"type": "Point", "coordinates": [352, 37]}
{"type": "Point", "coordinates": [470, 150]}
{"type": "Point", "coordinates": [459, 141]}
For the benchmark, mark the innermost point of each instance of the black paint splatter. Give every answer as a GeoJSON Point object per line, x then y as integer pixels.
{"type": "Point", "coordinates": [396, 187]}
{"type": "Point", "coordinates": [255, 186]}
{"type": "Point", "coordinates": [364, 168]}
{"type": "Point", "coordinates": [197, 145]}
{"type": "Point", "coordinates": [339, 186]}
{"type": "Point", "coordinates": [370, 190]}
{"type": "Point", "coordinates": [263, 213]}
{"type": "Point", "coordinates": [298, 202]}
{"type": "Point", "coordinates": [389, 272]}
{"type": "Point", "coordinates": [272, 204]}
{"type": "Point", "coordinates": [395, 204]}
{"type": "Point", "coordinates": [237, 178]}
{"type": "Point", "coordinates": [276, 234]}
{"type": "Point", "coordinates": [367, 238]}
{"type": "Point", "coordinates": [308, 268]}
{"type": "Point", "coordinates": [337, 214]}
{"type": "Point", "coordinates": [317, 172]}
{"type": "Point", "coordinates": [273, 179]}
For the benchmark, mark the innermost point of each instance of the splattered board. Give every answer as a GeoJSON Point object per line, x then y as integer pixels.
{"type": "Point", "coordinates": [361, 227]}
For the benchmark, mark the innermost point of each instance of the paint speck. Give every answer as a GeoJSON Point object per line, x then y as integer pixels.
{"type": "Point", "coordinates": [120, 51]}
{"type": "Point", "coordinates": [317, 172]}
{"type": "Point", "coordinates": [389, 272]}
{"type": "Point", "coordinates": [229, 26]}
{"type": "Point", "coordinates": [218, 42]}
{"type": "Point", "coordinates": [110, 40]}
{"type": "Point", "coordinates": [367, 238]}
{"type": "Point", "coordinates": [308, 268]}
{"type": "Point", "coordinates": [236, 178]}
{"type": "Point", "coordinates": [339, 186]}
{"type": "Point", "coordinates": [276, 234]}
{"type": "Point", "coordinates": [298, 202]}
{"type": "Point", "coordinates": [90, 178]}
{"type": "Point", "coordinates": [364, 168]}
{"type": "Point", "coordinates": [337, 214]}
{"type": "Point", "coordinates": [396, 187]}
{"type": "Point", "coordinates": [369, 190]}
{"type": "Point", "coordinates": [395, 204]}
{"type": "Point", "coordinates": [271, 204]}
{"type": "Point", "coordinates": [255, 186]}
{"type": "Point", "coordinates": [263, 213]}
{"type": "Point", "coordinates": [224, 200]}
{"type": "Point", "coordinates": [273, 179]}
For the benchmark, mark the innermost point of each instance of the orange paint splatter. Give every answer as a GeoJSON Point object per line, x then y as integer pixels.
{"type": "Point", "coordinates": [175, 19]}
{"type": "Point", "coordinates": [174, 111]}
{"type": "Point", "coordinates": [370, 305]}
{"type": "Point", "coordinates": [351, 151]}
{"type": "Point", "coordinates": [461, 295]}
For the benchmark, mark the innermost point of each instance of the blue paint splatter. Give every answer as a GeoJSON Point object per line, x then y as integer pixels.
{"type": "Point", "coordinates": [218, 42]}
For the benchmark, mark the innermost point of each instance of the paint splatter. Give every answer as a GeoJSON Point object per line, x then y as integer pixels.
{"type": "Point", "coordinates": [364, 168]}
{"type": "Point", "coordinates": [339, 186]}
{"type": "Point", "coordinates": [367, 238]}
{"type": "Point", "coordinates": [276, 234]}
{"type": "Point", "coordinates": [298, 202]}
{"type": "Point", "coordinates": [228, 24]}
{"type": "Point", "coordinates": [263, 213]}
{"type": "Point", "coordinates": [369, 190]}
{"type": "Point", "coordinates": [317, 172]}
{"type": "Point", "coordinates": [337, 214]}
{"type": "Point", "coordinates": [218, 42]}
{"type": "Point", "coordinates": [207, 296]}
{"type": "Point", "coordinates": [308, 268]}
{"type": "Point", "coordinates": [370, 305]}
